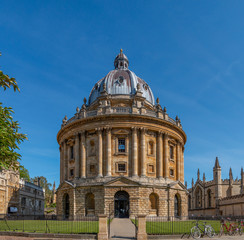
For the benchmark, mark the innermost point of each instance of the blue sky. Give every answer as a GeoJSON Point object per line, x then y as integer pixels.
{"type": "Point", "coordinates": [189, 52]}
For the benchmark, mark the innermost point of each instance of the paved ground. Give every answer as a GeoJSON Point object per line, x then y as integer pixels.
{"type": "Point", "coordinates": [122, 228]}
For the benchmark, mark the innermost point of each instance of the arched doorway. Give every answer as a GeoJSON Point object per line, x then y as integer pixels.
{"type": "Point", "coordinates": [153, 199]}
{"type": "Point", "coordinates": [66, 206]}
{"type": "Point", "coordinates": [90, 204]}
{"type": "Point", "coordinates": [198, 197]}
{"type": "Point", "coordinates": [177, 205]}
{"type": "Point", "coordinates": [121, 204]}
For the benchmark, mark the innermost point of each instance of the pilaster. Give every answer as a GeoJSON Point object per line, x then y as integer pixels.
{"type": "Point", "coordinates": [134, 152]}
{"type": "Point", "coordinates": [159, 155]}
{"type": "Point", "coordinates": [77, 156]}
{"type": "Point", "coordinates": [83, 154]}
{"type": "Point", "coordinates": [108, 136]}
{"type": "Point", "coordinates": [100, 152]}
{"type": "Point", "coordinates": [143, 153]}
{"type": "Point", "coordinates": [166, 152]}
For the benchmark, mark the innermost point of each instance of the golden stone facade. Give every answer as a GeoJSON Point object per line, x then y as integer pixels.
{"type": "Point", "coordinates": [121, 152]}
{"type": "Point", "coordinates": [219, 196]}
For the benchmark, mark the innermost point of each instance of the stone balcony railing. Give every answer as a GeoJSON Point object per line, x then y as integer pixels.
{"type": "Point", "coordinates": [107, 110]}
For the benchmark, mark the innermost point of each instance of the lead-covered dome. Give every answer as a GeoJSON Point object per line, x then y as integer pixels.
{"type": "Point", "coordinates": [121, 81]}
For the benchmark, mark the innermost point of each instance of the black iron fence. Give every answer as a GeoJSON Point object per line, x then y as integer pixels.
{"type": "Point", "coordinates": [183, 225]}
{"type": "Point", "coordinates": [49, 224]}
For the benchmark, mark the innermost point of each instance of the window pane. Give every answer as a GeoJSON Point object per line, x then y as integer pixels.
{"type": "Point", "coordinates": [121, 167]}
{"type": "Point", "coordinates": [121, 145]}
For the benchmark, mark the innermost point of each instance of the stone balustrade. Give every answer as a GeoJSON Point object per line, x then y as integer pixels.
{"type": "Point", "coordinates": [83, 113]}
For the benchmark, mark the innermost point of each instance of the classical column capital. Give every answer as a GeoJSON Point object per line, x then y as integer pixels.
{"type": "Point", "coordinates": [166, 135]}
{"type": "Point", "coordinates": [108, 129]}
{"type": "Point", "coordinates": [160, 133]}
{"type": "Point", "coordinates": [143, 130]}
{"type": "Point", "coordinates": [82, 132]}
{"type": "Point", "coordinates": [99, 129]}
{"type": "Point", "coordinates": [134, 129]}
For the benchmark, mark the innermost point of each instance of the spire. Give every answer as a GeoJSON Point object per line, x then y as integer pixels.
{"type": "Point", "coordinates": [192, 183]}
{"type": "Point", "coordinates": [217, 163]}
{"type": "Point", "coordinates": [242, 181]}
{"type": "Point", "coordinates": [198, 174]}
{"type": "Point", "coordinates": [186, 184]}
{"type": "Point", "coordinates": [230, 174]}
{"type": "Point", "coordinates": [121, 61]}
{"type": "Point", "coordinates": [204, 178]}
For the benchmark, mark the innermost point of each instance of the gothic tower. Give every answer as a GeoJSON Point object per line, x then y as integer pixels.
{"type": "Point", "coordinates": [242, 181]}
{"type": "Point", "coordinates": [217, 179]}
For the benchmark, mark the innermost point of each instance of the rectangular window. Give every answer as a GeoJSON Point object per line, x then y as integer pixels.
{"type": "Point", "coordinates": [171, 171]}
{"type": "Point", "coordinates": [171, 152]}
{"type": "Point", "coordinates": [71, 172]}
{"type": "Point", "coordinates": [121, 145]}
{"type": "Point", "coordinates": [121, 167]}
{"type": "Point", "coordinates": [92, 168]}
{"type": "Point", "coordinates": [150, 168]}
{"type": "Point", "coordinates": [71, 152]}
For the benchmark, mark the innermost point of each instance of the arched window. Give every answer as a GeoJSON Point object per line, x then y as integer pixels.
{"type": "Point", "coordinates": [198, 197]}
{"type": "Point", "coordinates": [209, 198]}
{"type": "Point", "coordinates": [66, 206]}
{"type": "Point", "coordinates": [153, 197]}
{"type": "Point", "coordinates": [177, 205]}
{"type": "Point", "coordinates": [189, 202]}
{"type": "Point", "coordinates": [92, 148]}
{"type": "Point", "coordinates": [150, 148]}
{"type": "Point", "coordinates": [90, 204]}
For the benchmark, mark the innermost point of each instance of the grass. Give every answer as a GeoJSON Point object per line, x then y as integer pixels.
{"type": "Point", "coordinates": [49, 226]}
{"type": "Point", "coordinates": [175, 227]}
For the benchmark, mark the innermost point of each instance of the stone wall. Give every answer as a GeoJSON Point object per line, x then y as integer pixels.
{"type": "Point", "coordinates": [138, 200]}
{"type": "Point", "coordinates": [232, 206]}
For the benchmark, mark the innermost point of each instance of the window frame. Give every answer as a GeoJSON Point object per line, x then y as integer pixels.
{"type": "Point", "coordinates": [117, 167]}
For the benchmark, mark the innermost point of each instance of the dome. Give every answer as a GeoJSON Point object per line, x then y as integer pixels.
{"type": "Point", "coordinates": [121, 81]}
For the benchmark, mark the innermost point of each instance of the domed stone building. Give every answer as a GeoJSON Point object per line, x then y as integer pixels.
{"type": "Point", "coordinates": [121, 152]}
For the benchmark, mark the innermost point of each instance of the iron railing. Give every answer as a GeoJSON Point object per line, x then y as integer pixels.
{"type": "Point", "coordinates": [182, 225]}
{"type": "Point", "coordinates": [49, 224]}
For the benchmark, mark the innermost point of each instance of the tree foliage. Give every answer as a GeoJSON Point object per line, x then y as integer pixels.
{"type": "Point", "coordinates": [10, 137]}
{"type": "Point", "coordinates": [24, 173]}
{"type": "Point", "coordinates": [46, 185]}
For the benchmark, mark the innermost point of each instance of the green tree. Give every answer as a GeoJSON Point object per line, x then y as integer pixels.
{"type": "Point", "coordinates": [10, 138]}
{"type": "Point", "coordinates": [46, 185]}
{"type": "Point", "coordinates": [24, 173]}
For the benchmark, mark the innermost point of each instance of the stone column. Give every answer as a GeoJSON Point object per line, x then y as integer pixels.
{"type": "Point", "coordinates": [100, 152]}
{"type": "Point", "coordinates": [143, 153]}
{"type": "Point", "coordinates": [166, 152]}
{"type": "Point", "coordinates": [178, 161]}
{"type": "Point", "coordinates": [182, 164]}
{"type": "Point", "coordinates": [134, 152]}
{"type": "Point", "coordinates": [83, 154]}
{"type": "Point", "coordinates": [159, 155]}
{"type": "Point", "coordinates": [108, 135]}
{"type": "Point", "coordinates": [77, 156]}
{"type": "Point", "coordinates": [65, 161]}
{"type": "Point", "coordinates": [61, 162]}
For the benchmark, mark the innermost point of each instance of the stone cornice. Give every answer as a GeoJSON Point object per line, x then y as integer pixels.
{"type": "Point", "coordinates": [137, 119]}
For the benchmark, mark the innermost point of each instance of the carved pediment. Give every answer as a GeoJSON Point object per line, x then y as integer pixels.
{"type": "Point", "coordinates": [65, 184]}
{"type": "Point", "coordinates": [121, 132]}
{"type": "Point", "coordinates": [122, 182]}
